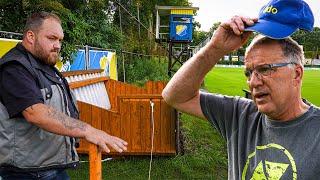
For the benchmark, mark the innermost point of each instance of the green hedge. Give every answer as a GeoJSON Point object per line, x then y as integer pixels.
{"type": "Point", "coordinates": [139, 70]}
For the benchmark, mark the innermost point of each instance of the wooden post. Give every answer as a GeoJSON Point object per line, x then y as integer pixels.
{"type": "Point", "coordinates": [95, 162]}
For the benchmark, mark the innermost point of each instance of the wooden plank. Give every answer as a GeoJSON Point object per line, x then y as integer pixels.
{"type": "Point", "coordinates": [128, 90]}
{"type": "Point", "coordinates": [159, 88]}
{"type": "Point", "coordinates": [134, 89]}
{"type": "Point", "coordinates": [80, 72]}
{"type": "Point", "coordinates": [135, 119]}
{"type": "Point", "coordinates": [125, 122]}
{"type": "Point", "coordinates": [145, 126]}
{"type": "Point", "coordinates": [145, 91]}
{"type": "Point", "coordinates": [96, 117]}
{"type": "Point", "coordinates": [87, 82]}
{"type": "Point", "coordinates": [165, 126]}
{"type": "Point", "coordinates": [86, 116]}
{"type": "Point", "coordinates": [157, 127]}
{"type": "Point", "coordinates": [95, 162]}
{"type": "Point", "coordinates": [117, 87]}
{"type": "Point", "coordinates": [114, 123]}
{"type": "Point", "coordinates": [111, 93]}
{"type": "Point", "coordinates": [149, 88]}
{"type": "Point", "coordinates": [115, 94]}
{"type": "Point", "coordinates": [139, 91]}
{"type": "Point", "coordinates": [122, 89]}
{"type": "Point", "coordinates": [105, 121]}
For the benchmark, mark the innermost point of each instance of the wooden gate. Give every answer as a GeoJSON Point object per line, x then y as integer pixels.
{"type": "Point", "coordinates": [130, 115]}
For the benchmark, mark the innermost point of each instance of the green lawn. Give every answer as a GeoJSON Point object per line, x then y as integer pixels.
{"type": "Point", "coordinates": [228, 81]}
{"type": "Point", "coordinates": [231, 81]}
{"type": "Point", "coordinates": [205, 151]}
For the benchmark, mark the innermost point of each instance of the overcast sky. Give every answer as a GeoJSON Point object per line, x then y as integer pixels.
{"type": "Point", "coordinates": [211, 11]}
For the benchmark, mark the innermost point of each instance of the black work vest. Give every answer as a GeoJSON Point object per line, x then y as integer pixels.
{"type": "Point", "coordinates": [25, 146]}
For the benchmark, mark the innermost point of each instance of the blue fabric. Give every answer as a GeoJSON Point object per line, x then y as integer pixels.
{"type": "Point", "coordinates": [40, 175]}
{"type": "Point", "coordinates": [78, 61]}
{"type": "Point", "coordinates": [95, 57]}
{"type": "Point", "coordinates": [281, 18]}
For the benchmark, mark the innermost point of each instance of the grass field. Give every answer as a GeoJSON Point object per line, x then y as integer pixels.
{"type": "Point", "coordinates": [205, 151]}
{"type": "Point", "coordinates": [231, 81]}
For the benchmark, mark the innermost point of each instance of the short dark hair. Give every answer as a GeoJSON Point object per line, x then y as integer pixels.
{"type": "Point", "coordinates": [35, 21]}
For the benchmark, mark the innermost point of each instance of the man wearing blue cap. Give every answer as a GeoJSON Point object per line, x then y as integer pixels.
{"type": "Point", "coordinates": [276, 134]}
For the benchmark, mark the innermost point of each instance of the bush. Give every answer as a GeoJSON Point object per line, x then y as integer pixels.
{"type": "Point", "coordinates": [140, 70]}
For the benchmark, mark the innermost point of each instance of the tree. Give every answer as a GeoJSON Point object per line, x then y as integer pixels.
{"type": "Point", "coordinates": [86, 22]}
{"type": "Point", "coordinates": [309, 41]}
{"type": "Point", "coordinates": [83, 23]}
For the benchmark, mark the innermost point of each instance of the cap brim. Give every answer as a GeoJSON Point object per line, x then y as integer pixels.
{"type": "Point", "coordinates": [271, 29]}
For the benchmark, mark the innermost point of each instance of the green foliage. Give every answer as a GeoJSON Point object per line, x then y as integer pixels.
{"type": "Point", "coordinates": [86, 23]}
{"type": "Point", "coordinates": [198, 37]}
{"type": "Point", "coordinates": [140, 70]}
{"type": "Point", "coordinates": [83, 23]}
{"type": "Point", "coordinates": [309, 40]}
{"type": "Point", "coordinates": [214, 27]}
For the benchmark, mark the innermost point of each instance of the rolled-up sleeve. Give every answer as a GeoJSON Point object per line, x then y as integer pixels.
{"type": "Point", "coordinates": [18, 89]}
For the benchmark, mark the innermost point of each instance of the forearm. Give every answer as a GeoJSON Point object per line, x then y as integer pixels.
{"type": "Point", "coordinates": [52, 120]}
{"type": "Point", "coordinates": [185, 84]}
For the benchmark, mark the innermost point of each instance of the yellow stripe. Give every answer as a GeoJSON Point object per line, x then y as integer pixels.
{"type": "Point", "coordinates": [6, 45]}
{"type": "Point", "coordinates": [182, 11]}
{"type": "Point", "coordinates": [113, 67]}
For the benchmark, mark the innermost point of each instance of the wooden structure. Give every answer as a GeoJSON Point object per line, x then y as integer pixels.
{"type": "Point", "coordinates": [178, 32]}
{"type": "Point", "coordinates": [128, 115]}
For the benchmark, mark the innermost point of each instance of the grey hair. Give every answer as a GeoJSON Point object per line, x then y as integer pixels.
{"type": "Point", "coordinates": [35, 21]}
{"type": "Point", "coordinates": [290, 48]}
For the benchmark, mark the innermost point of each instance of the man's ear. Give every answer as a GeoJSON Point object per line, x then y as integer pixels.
{"type": "Point", "coordinates": [298, 74]}
{"type": "Point", "coordinates": [30, 37]}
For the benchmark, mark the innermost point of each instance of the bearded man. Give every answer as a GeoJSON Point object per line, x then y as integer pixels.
{"type": "Point", "coordinates": [38, 114]}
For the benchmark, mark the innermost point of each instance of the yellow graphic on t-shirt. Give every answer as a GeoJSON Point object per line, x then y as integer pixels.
{"type": "Point", "coordinates": [274, 171]}
{"type": "Point", "coordinates": [269, 170]}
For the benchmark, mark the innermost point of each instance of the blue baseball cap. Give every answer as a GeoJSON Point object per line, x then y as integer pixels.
{"type": "Point", "coordinates": [281, 18]}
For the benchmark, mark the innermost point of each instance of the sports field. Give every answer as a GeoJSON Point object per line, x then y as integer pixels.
{"type": "Point", "coordinates": [231, 81]}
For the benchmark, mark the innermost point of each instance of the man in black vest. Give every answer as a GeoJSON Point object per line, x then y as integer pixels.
{"type": "Point", "coordinates": [38, 116]}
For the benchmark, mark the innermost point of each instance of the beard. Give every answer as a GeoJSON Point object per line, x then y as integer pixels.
{"type": "Point", "coordinates": [50, 58]}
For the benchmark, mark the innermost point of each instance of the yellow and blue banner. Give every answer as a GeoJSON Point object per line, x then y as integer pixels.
{"type": "Point", "coordinates": [6, 45]}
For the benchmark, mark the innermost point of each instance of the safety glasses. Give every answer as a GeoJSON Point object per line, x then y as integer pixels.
{"type": "Point", "coordinates": [264, 70]}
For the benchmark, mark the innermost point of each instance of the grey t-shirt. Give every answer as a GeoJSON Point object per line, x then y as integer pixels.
{"type": "Point", "coordinates": [261, 148]}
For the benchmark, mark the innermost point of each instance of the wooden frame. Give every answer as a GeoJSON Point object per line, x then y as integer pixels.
{"type": "Point", "coordinates": [128, 118]}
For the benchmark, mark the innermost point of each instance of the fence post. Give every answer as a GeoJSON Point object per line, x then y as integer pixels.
{"type": "Point", "coordinates": [95, 162]}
